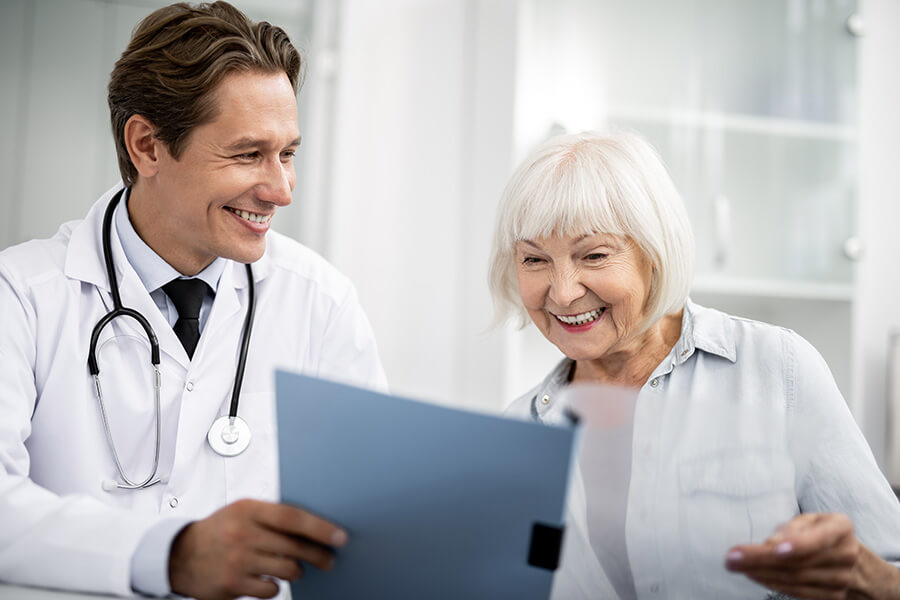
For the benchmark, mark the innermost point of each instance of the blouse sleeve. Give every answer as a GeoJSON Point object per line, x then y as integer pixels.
{"type": "Point", "coordinates": [835, 468]}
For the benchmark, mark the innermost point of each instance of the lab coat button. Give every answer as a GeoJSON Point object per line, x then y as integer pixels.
{"type": "Point", "coordinates": [654, 588]}
{"type": "Point", "coordinates": [189, 386]}
{"type": "Point", "coordinates": [173, 502]}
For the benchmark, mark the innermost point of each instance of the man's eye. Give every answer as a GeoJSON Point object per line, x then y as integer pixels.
{"type": "Point", "coordinates": [288, 154]}
{"type": "Point", "coordinates": [248, 156]}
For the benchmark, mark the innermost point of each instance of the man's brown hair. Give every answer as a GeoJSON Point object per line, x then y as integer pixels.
{"type": "Point", "coordinates": [176, 58]}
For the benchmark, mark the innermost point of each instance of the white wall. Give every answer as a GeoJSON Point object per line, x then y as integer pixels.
{"type": "Point", "coordinates": [878, 314]}
{"type": "Point", "coordinates": [421, 152]}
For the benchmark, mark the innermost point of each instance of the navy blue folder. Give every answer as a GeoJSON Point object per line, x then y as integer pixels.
{"type": "Point", "coordinates": [438, 503]}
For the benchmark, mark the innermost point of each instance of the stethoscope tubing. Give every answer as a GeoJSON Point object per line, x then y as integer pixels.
{"type": "Point", "coordinates": [119, 310]}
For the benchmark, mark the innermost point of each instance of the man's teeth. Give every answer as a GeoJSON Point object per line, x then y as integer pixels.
{"type": "Point", "coordinates": [583, 318]}
{"type": "Point", "coordinates": [252, 217]}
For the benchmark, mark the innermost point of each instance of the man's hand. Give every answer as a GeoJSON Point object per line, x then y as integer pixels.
{"type": "Point", "coordinates": [816, 556]}
{"type": "Point", "coordinates": [238, 550]}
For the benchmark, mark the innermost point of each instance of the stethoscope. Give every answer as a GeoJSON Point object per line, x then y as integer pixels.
{"type": "Point", "coordinates": [228, 436]}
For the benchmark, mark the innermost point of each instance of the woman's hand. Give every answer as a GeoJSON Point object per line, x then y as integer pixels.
{"type": "Point", "coordinates": [816, 556]}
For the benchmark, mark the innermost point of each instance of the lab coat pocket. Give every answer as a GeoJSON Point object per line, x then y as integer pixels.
{"type": "Point", "coordinates": [253, 473]}
{"type": "Point", "coordinates": [731, 498]}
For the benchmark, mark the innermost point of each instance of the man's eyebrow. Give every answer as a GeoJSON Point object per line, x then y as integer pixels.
{"type": "Point", "coordinates": [247, 142]}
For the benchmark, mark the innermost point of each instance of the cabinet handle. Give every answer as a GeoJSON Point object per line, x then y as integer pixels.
{"type": "Point", "coordinates": [854, 249]}
{"type": "Point", "coordinates": [856, 25]}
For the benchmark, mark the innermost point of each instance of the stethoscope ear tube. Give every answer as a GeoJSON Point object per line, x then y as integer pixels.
{"type": "Point", "coordinates": [118, 310]}
{"type": "Point", "coordinates": [93, 366]}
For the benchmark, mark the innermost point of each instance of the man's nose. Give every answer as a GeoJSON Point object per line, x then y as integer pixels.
{"type": "Point", "coordinates": [277, 184]}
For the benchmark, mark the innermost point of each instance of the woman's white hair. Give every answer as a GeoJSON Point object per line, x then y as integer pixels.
{"type": "Point", "coordinates": [588, 183]}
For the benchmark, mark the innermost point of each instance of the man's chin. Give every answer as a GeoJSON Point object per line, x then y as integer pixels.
{"type": "Point", "coordinates": [245, 255]}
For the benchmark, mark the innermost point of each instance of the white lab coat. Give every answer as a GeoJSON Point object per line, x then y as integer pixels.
{"type": "Point", "coordinates": [58, 527]}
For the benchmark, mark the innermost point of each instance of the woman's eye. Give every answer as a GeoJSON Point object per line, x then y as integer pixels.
{"type": "Point", "coordinates": [595, 256]}
{"type": "Point", "coordinates": [531, 260]}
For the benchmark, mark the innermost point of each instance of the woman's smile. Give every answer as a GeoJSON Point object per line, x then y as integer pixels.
{"type": "Point", "coordinates": [580, 322]}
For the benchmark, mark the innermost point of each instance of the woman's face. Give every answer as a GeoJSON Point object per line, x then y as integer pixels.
{"type": "Point", "coordinates": [587, 294]}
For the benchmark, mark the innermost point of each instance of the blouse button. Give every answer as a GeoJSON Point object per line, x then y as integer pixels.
{"type": "Point", "coordinates": [545, 399]}
{"type": "Point", "coordinates": [189, 386]}
{"type": "Point", "coordinates": [654, 382]}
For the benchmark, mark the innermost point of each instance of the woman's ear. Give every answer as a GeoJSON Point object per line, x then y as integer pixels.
{"type": "Point", "coordinates": [143, 146]}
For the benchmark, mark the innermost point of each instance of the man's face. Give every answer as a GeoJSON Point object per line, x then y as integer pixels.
{"type": "Point", "coordinates": [218, 197]}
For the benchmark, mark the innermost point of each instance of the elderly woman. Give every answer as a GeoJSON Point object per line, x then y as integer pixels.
{"type": "Point", "coordinates": [593, 246]}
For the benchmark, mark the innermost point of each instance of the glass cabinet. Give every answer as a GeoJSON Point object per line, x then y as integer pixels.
{"type": "Point", "coordinates": [753, 107]}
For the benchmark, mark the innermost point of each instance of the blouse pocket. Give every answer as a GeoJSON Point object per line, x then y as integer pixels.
{"type": "Point", "coordinates": [728, 499]}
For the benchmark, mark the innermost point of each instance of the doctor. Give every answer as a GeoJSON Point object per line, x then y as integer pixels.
{"type": "Point", "coordinates": [108, 484]}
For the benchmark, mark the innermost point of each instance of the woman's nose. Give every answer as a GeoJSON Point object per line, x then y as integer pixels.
{"type": "Point", "coordinates": [566, 288]}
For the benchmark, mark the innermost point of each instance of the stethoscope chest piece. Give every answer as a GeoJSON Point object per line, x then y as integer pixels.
{"type": "Point", "coordinates": [229, 436]}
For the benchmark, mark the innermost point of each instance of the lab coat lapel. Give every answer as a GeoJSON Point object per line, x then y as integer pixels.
{"type": "Point", "coordinates": [228, 302]}
{"type": "Point", "coordinates": [84, 261]}
{"type": "Point", "coordinates": [84, 254]}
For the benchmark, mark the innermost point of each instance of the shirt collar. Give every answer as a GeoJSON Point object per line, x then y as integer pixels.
{"type": "Point", "coordinates": [702, 328]}
{"type": "Point", "coordinates": [705, 329]}
{"type": "Point", "coordinates": [153, 271]}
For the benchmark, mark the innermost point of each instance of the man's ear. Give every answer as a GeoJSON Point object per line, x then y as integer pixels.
{"type": "Point", "coordinates": [143, 147]}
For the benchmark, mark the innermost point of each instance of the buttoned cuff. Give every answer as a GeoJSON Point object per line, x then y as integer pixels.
{"type": "Point", "coordinates": [150, 561]}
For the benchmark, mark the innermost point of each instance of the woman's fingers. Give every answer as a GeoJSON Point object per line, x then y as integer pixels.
{"type": "Point", "coordinates": [811, 556]}
{"type": "Point", "coordinates": [805, 541]}
{"type": "Point", "coordinates": [818, 577]}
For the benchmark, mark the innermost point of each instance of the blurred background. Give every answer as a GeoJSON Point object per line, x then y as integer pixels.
{"type": "Point", "coordinates": [779, 121]}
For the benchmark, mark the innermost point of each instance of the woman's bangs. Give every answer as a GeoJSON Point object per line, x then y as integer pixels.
{"type": "Point", "coordinates": [576, 204]}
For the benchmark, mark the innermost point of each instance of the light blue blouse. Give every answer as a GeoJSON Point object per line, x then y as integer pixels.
{"type": "Point", "coordinates": [740, 428]}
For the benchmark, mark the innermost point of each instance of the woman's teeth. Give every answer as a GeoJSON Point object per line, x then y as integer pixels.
{"type": "Point", "coordinates": [252, 217]}
{"type": "Point", "coordinates": [581, 319]}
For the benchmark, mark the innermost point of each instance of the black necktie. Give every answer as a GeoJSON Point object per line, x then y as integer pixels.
{"type": "Point", "coordinates": [187, 296]}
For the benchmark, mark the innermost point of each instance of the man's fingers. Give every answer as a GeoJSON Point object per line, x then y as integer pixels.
{"type": "Point", "coordinates": [257, 587]}
{"type": "Point", "coordinates": [271, 565]}
{"type": "Point", "coordinates": [297, 522]}
{"type": "Point", "coordinates": [278, 544]}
